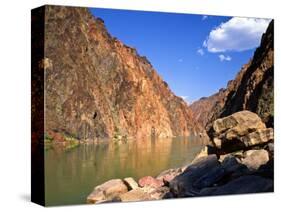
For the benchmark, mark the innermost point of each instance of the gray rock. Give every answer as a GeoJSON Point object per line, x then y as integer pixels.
{"type": "Point", "coordinates": [234, 168]}
{"type": "Point", "coordinates": [210, 178]}
{"type": "Point", "coordinates": [255, 158]}
{"type": "Point", "coordinates": [237, 155]}
{"type": "Point", "coordinates": [271, 147]}
{"type": "Point", "coordinates": [182, 185]}
{"type": "Point", "coordinates": [241, 185]}
{"type": "Point", "coordinates": [230, 163]}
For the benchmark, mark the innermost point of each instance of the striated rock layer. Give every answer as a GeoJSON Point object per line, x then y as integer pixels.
{"type": "Point", "coordinates": [97, 87]}
{"type": "Point", "coordinates": [252, 89]}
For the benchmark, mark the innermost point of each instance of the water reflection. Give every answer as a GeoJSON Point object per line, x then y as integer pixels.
{"type": "Point", "coordinates": [71, 176]}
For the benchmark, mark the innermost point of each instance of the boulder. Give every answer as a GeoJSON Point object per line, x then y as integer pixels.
{"type": "Point", "coordinates": [230, 163]}
{"type": "Point", "coordinates": [258, 137]}
{"type": "Point", "coordinates": [182, 185]}
{"type": "Point", "coordinates": [131, 183]}
{"type": "Point", "coordinates": [210, 178]}
{"type": "Point", "coordinates": [239, 123]}
{"type": "Point", "coordinates": [168, 175]}
{"type": "Point", "coordinates": [107, 191]}
{"type": "Point", "coordinates": [266, 170]}
{"type": "Point", "coordinates": [241, 185]}
{"type": "Point", "coordinates": [237, 155]}
{"type": "Point", "coordinates": [233, 167]}
{"type": "Point", "coordinates": [135, 195]}
{"type": "Point", "coordinates": [150, 181]}
{"type": "Point", "coordinates": [239, 131]}
{"type": "Point", "coordinates": [96, 196]}
{"type": "Point", "coordinates": [255, 158]}
{"type": "Point", "coordinates": [160, 193]}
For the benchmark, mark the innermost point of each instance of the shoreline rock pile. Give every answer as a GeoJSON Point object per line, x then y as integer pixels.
{"type": "Point", "coordinates": [238, 160]}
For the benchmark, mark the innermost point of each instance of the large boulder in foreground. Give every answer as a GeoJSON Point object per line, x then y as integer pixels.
{"type": "Point", "coordinates": [238, 124]}
{"type": "Point", "coordinates": [182, 185]}
{"type": "Point", "coordinates": [110, 190]}
{"type": "Point", "coordinates": [241, 185]}
{"type": "Point", "coordinates": [255, 158]}
{"type": "Point", "coordinates": [239, 131]}
{"type": "Point", "coordinates": [258, 137]}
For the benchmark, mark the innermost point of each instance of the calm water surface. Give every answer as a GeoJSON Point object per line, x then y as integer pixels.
{"type": "Point", "coordinates": [72, 175]}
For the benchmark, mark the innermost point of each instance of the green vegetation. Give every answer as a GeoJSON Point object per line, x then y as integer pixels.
{"type": "Point", "coordinates": [72, 142]}
{"type": "Point", "coordinates": [68, 142]}
{"type": "Point", "coordinates": [48, 142]}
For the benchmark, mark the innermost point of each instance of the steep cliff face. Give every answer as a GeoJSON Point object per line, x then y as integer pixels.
{"type": "Point", "coordinates": [252, 89]}
{"type": "Point", "coordinates": [97, 87]}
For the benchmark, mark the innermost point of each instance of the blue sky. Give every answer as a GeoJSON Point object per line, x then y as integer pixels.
{"type": "Point", "coordinates": [195, 54]}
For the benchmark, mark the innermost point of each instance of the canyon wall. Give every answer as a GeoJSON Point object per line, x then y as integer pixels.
{"type": "Point", "coordinates": [97, 87]}
{"type": "Point", "coordinates": [252, 89]}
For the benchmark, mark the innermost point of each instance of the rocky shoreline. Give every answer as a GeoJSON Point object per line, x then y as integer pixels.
{"type": "Point", "coordinates": [237, 160]}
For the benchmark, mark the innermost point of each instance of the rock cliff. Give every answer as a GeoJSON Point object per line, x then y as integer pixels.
{"type": "Point", "coordinates": [252, 88]}
{"type": "Point", "coordinates": [202, 108]}
{"type": "Point", "coordinates": [97, 87]}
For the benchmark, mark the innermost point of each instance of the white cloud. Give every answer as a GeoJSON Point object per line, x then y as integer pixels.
{"type": "Point", "coordinates": [200, 52]}
{"type": "Point", "coordinates": [204, 17]}
{"type": "Point", "coordinates": [224, 58]}
{"type": "Point", "coordinates": [237, 34]}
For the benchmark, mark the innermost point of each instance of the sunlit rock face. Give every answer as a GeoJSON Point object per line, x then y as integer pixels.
{"type": "Point", "coordinates": [97, 87]}
{"type": "Point", "coordinates": [252, 89]}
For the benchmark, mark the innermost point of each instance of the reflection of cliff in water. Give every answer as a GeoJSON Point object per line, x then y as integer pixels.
{"type": "Point", "coordinates": [71, 175]}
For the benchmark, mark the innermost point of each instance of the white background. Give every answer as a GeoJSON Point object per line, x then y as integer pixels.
{"type": "Point", "coordinates": [15, 104]}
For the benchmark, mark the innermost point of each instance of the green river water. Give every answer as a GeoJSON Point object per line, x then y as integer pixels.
{"type": "Point", "coordinates": [71, 175]}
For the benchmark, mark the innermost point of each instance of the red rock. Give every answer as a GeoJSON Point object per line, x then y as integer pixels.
{"type": "Point", "coordinates": [168, 175]}
{"type": "Point", "coordinates": [150, 181]}
{"type": "Point", "coordinates": [97, 87]}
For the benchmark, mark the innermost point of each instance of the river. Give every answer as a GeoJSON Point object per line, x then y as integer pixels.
{"type": "Point", "coordinates": [71, 175]}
